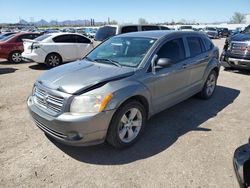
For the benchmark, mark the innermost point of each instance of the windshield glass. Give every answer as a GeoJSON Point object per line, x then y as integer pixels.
{"type": "Point", "coordinates": [211, 29]}
{"type": "Point", "coordinates": [247, 30]}
{"type": "Point", "coordinates": [41, 38]}
{"type": "Point", "coordinates": [186, 27]}
{"type": "Point", "coordinates": [104, 33]}
{"type": "Point", "coordinates": [126, 51]}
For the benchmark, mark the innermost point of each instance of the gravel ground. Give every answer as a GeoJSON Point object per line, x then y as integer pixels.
{"type": "Point", "coordinates": [188, 145]}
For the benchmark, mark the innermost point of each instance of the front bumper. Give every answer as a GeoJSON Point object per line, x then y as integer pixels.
{"type": "Point", "coordinates": [241, 162]}
{"type": "Point", "coordinates": [234, 62]}
{"type": "Point", "coordinates": [76, 130]}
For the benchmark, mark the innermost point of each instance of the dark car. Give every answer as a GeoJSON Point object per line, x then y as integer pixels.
{"type": "Point", "coordinates": [223, 32]}
{"type": "Point", "coordinates": [241, 162]}
{"type": "Point", "coordinates": [111, 93]}
{"type": "Point", "coordinates": [236, 52]}
{"type": "Point", "coordinates": [11, 47]}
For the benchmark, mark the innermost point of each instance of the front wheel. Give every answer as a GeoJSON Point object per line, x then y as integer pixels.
{"type": "Point", "coordinates": [127, 125]}
{"type": "Point", "coordinates": [209, 86]}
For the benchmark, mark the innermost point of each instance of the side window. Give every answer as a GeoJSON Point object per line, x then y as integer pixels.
{"type": "Point", "coordinates": [20, 38]}
{"type": "Point", "coordinates": [164, 28]}
{"type": "Point", "coordinates": [81, 39]}
{"type": "Point", "coordinates": [128, 29]}
{"type": "Point", "coordinates": [65, 39]}
{"type": "Point", "coordinates": [195, 46]}
{"type": "Point", "coordinates": [208, 44]}
{"type": "Point", "coordinates": [149, 28]}
{"type": "Point", "coordinates": [173, 50]}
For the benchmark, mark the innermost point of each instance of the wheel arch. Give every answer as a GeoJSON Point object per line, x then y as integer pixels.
{"type": "Point", "coordinates": [51, 54]}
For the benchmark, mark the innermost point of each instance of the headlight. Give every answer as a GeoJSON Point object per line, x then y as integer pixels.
{"type": "Point", "coordinates": [89, 103]}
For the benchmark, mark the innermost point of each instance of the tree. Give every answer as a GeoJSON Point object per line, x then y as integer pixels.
{"type": "Point", "coordinates": [142, 21]}
{"type": "Point", "coordinates": [113, 22]}
{"type": "Point", "coordinates": [238, 18]}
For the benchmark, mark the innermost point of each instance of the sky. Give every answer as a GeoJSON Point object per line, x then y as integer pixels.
{"type": "Point", "coordinates": [127, 11]}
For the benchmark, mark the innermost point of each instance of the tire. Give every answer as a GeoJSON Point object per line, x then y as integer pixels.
{"type": "Point", "coordinates": [127, 125]}
{"type": "Point", "coordinates": [209, 86]}
{"type": "Point", "coordinates": [53, 60]}
{"type": "Point", "coordinates": [15, 57]}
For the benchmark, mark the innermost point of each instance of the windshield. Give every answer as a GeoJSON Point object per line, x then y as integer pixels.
{"type": "Point", "coordinates": [211, 29]}
{"type": "Point", "coordinates": [186, 27]}
{"type": "Point", "coordinates": [41, 38]}
{"type": "Point", "coordinates": [104, 33]}
{"type": "Point", "coordinates": [247, 30]}
{"type": "Point", "coordinates": [126, 51]}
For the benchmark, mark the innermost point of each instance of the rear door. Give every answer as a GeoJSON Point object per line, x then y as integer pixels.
{"type": "Point", "coordinates": [66, 46]}
{"type": "Point", "coordinates": [198, 60]}
{"type": "Point", "coordinates": [84, 45]}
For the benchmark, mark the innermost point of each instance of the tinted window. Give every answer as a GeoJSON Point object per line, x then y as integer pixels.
{"type": "Point", "coordinates": [104, 33]}
{"type": "Point", "coordinates": [164, 28]}
{"type": "Point", "coordinates": [81, 39]}
{"type": "Point", "coordinates": [208, 44]}
{"type": "Point", "coordinates": [195, 46]}
{"type": "Point", "coordinates": [129, 29]}
{"type": "Point", "coordinates": [174, 50]}
{"type": "Point", "coordinates": [149, 27]}
{"type": "Point", "coordinates": [43, 37]}
{"type": "Point", "coordinates": [65, 39]}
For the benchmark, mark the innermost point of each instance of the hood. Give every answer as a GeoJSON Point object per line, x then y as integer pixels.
{"type": "Point", "coordinates": [241, 37]}
{"type": "Point", "coordinates": [79, 76]}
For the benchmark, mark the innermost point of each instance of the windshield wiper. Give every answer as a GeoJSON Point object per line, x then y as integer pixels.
{"type": "Point", "coordinates": [109, 61]}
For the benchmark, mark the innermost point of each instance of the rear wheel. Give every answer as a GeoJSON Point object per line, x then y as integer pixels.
{"type": "Point", "coordinates": [209, 86]}
{"type": "Point", "coordinates": [127, 125]}
{"type": "Point", "coordinates": [15, 57]}
{"type": "Point", "coordinates": [53, 60]}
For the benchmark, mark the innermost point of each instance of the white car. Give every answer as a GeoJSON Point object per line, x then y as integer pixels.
{"type": "Point", "coordinates": [55, 48]}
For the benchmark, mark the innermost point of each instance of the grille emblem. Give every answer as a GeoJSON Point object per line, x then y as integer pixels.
{"type": "Point", "coordinates": [45, 98]}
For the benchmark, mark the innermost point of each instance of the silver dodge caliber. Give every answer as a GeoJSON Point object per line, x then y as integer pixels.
{"type": "Point", "coordinates": [112, 91]}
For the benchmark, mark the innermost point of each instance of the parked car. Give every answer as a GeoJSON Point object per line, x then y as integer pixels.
{"type": "Point", "coordinates": [241, 162]}
{"type": "Point", "coordinates": [54, 49]}
{"type": "Point", "coordinates": [2, 36]}
{"type": "Point", "coordinates": [236, 52]}
{"type": "Point", "coordinates": [111, 93]}
{"type": "Point", "coordinates": [11, 46]}
{"type": "Point", "coordinates": [106, 32]}
{"type": "Point", "coordinates": [185, 28]}
{"type": "Point", "coordinates": [211, 32]}
{"type": "Point", "coordinates": [223, 32]}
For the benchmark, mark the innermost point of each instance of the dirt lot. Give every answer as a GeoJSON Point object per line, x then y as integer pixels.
{"type": "Point", "coordinates": [189, 145]}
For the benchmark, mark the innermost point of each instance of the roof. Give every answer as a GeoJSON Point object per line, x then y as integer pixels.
{"type": "Point", "coordinates": [156, 34]}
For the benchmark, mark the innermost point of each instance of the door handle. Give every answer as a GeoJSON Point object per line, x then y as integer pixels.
{"type": "Point", "coordinates": [184, 66]}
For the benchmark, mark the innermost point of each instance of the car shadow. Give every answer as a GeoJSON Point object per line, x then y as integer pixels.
{"type": "Point", "coordinates": [240, 71]}
{"type": "Point", "coordinates": [10, 63]}
{"type": "Point", "coordinates": [161, 132]}
{"type": "Point", "coordinates": [7, 70]}
{"type": "Point", "coordinates": [39, 66]}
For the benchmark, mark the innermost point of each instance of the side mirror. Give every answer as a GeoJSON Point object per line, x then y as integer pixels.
{"type": "Point", "coordinates": [163, 63]}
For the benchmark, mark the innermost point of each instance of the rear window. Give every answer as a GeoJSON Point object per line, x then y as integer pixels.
{"type": "Point", "coordinates": [195, 46]}
{"type": "Point", "coordinates": [164, 28]}
{"type": "Point", "coordinates": [149, 28]}
{"type": "Point", "coordinates": [128, 29]}
{"type": "Point", "coordinates": [26, 36]}
{"type": "Point", "coordinates": [104, 33]}
{"type": "Point", "coordinates": [7, 38]}
{"type": "Point", "coordinates": [211, 29]}
{"type": "Point", "coordinates": [43, 37]}
{"type": "Point", "coordinates": [208, 44]}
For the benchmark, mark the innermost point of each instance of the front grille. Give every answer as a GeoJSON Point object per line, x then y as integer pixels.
{"type": "Point", "coordinates": [48, 130]}
{"type": "Point", "coordinates": [240, 48]}
{"type": "Point", "coordinates": [47, 101]}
